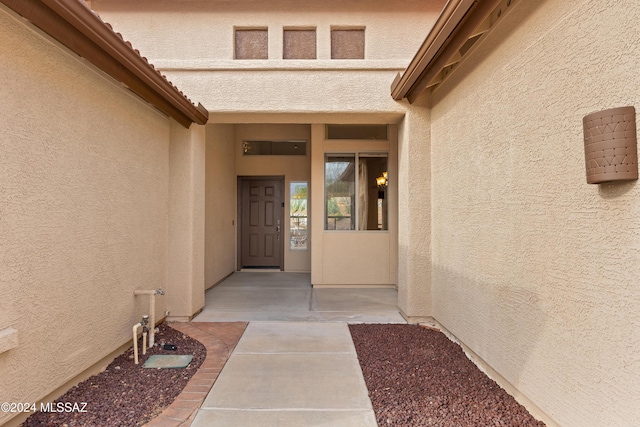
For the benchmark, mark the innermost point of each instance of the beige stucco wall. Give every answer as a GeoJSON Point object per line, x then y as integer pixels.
{"type": "Point", "coordinates": [220, 200]}
{"type": "Point", "coordinates": [83, 212]}
{"type": "Point", "coordinates": [414, 213]}
{"type": "Point", "coordinates": [225, 162]}
{"type": "Point", "coordinates": [293, 168]}
{"type": "Point", "coordinates": [192, 42]}
{"type": "Point", "coordinates": [535, 270]}
{"type": "Point", "coordinates": [186, 246]}
{"type": "Point", "coordinates": [211, 24]}
{"type": "Point", "coordinates": [352, 258]}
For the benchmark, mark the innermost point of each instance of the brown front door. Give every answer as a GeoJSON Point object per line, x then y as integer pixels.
{"type": "Point", "coordinates": [261, 236]}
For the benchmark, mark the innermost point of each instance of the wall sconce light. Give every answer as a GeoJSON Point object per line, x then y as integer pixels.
{"type": "Point", "coordinates": [610, 145]}
{"type": "Point", "coordinates": [245, 147]}
{"type": "Point", "coordinates": [382, 181]}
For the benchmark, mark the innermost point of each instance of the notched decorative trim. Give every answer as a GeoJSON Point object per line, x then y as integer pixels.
{"type": "Point", "coordinates": [460, 25]}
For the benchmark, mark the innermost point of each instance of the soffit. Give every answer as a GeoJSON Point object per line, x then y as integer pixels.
{"type": "Point", "coordinates": [461, 24]}
{"type": "Point", "coordinates": [77, 27]}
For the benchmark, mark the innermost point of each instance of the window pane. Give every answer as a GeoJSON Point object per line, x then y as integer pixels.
{"type": "Point", "coordinates": [298, 215]}
{"type": "Point", "coordinates": [372, 193]}
{"type": "Point", "coordinates": [339, 192]}
{"type": "Point", "coordinates": [274, 148]}
{"type": "Point", "coordinates": [357, 132]}
{"type": "Point", "coordinates": [256, 148]}
{"type": "Point", "coordinates": [288, 148]}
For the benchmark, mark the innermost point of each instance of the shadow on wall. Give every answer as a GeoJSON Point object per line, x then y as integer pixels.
{"type": "Point", "coordinates": [501, 322]}
{"type": "Point", "coordinates": [615, 189]}
{"type": "Point", "coordinates": [517, 14]}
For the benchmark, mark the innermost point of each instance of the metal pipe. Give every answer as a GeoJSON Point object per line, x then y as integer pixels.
{"type": "Point", "coordinates": [145, 329]}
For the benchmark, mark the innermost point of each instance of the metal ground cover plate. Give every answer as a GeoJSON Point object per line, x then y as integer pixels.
{"type": "Point", "coordinates": [165, 361]}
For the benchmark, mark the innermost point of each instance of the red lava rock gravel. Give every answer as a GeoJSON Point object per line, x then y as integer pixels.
{"type": "Point", "coordinates": [126, 394]}
{"type": "Point", "coordinates": [418, 377]}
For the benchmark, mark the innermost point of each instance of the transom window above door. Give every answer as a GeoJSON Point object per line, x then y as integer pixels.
{"type": "Point", "coordinates": [274, 148]}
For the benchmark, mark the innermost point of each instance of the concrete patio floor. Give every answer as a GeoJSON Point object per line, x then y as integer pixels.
{"type": "Point", "coordinates": [278, 296]}
{"type": "Point", "coordinates": [295, 364]}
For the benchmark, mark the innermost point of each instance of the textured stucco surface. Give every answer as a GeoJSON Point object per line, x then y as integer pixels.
{"type": "Point", "coordinates": [83, 212]}
{"type": "Point", "coordinates": [192, 42]}
{"type": "Point", "coordinates": [293, 168]}
{"type": "Point", "coordinates": [291, 91]}
{"type": "Point", "coordinates": [186, 249]}
{"type": "Point", "coordinates": [534, 269]}
{"type": "Point", "coordinates": [210, 30]}
{"type": "Point", "coordinates": [414, 213]}
{"type": "Point", "coordinates": [220, 202]}
{"type": "Point", "coordinates": [499, 236]}
{"type": "Point", "coordinates": [350, 257]}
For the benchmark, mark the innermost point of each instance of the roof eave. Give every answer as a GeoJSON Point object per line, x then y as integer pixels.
{"type": "Point", "coordinates": [78, 28]}
{"type": "Point", "coordinates": [459, 21]}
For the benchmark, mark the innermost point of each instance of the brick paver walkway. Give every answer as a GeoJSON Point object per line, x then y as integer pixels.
{"type": "Point", "coordinates": [219, 339]}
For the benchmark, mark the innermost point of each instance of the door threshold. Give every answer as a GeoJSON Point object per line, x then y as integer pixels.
{"type": "Point", "coordinates": [261, 270]}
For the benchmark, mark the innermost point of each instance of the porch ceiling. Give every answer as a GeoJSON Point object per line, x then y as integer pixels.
{"type": "Point", "coordinates": [372, 117]}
